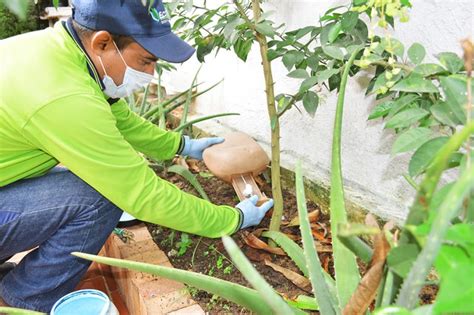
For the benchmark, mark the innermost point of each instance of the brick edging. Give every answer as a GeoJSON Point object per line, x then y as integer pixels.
{"type": "Point", "coordinates": [144, 293]}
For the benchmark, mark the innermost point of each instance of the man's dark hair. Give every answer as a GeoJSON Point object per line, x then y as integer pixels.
{"type": "Point", "coordinates": [122, 41]}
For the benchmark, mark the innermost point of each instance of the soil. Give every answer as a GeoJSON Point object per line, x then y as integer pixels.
{"type": "Point", "coordinates": [208, 256]}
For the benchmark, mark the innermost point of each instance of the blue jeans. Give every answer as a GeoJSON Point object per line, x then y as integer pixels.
{"type": "Point", "coordinates": [59, 213]}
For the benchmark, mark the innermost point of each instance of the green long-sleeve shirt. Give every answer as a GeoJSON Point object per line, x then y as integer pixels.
{"type": "Point", "coordinates": [52, 110]}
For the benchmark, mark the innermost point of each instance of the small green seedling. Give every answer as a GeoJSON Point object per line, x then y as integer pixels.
{"type": "Point", "coordinates": [206, 174]}
{"type": "Point", "coordinates": [168, 240]}
{"type": "Point", "coordinates": [220, 262]}
{"type": "Point", "coordinates": [228, 270]}
{"type": "Point", "coordinates": [184, 244]}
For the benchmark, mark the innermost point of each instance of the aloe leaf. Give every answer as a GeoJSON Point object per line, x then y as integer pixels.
{"type": "Point", "coordinates": [267, 293]}
{"type": "Point", "coordinates": [305, 302]}
{"type": "Point", "coordinates": [327, 302]}
{"type": "Point", "coordinates": [189, 97]}
{"type": "Point", "coordinates": [388, 288]}
{"type": "Point", "coordinates": [411, 287]}
{"type": "Point", "coordinates": [181, 170]}
{"type": "Point", "coordinates": [152, 111]}
{"type": "Point", "coordinates": [236, 293]}
{"type": "Point", "coordinates": [345, 265]}
{"type": "Point", "coordinates": [357, 246]}
{"type": "Point", "coordinates": [297, 255]}
{"type": "Point", "coordinates": [290, 247]}
{"type": "Point", "coordinates": [192, 122]}
{"type": "Point", "coordinates": [143, 104]}
{"type": "Point", "coordinates": [18, 311]}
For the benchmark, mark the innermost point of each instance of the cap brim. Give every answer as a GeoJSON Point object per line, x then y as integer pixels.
{"type": "Point", "coordinates": [167, 47]}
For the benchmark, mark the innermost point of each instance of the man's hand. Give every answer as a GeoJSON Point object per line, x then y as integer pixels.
{"type": "Point", "coordinates": [253, 215]}
{"type": "Point", "coordinates": [194, 147]}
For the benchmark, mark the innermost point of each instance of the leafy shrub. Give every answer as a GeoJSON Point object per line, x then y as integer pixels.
{"type": "Point", "coordinates": [11, 25]}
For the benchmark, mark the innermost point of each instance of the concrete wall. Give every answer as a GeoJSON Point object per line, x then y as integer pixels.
{"type": "Point", "coordinates": [371, 175]}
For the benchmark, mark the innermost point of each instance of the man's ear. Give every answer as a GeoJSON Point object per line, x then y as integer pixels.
{"type": "Point", "coordinates": [100, 42]}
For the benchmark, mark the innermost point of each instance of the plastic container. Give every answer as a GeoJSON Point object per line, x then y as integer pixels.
{"type": "Point", "coordinates": [84, 302]}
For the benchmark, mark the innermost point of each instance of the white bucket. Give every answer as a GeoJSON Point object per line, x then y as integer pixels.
{"type": "Point", "coordinates": [84, 302]}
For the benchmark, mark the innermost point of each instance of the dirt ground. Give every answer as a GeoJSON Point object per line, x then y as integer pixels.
{"type": "Point", "coordinates": [208, 256]}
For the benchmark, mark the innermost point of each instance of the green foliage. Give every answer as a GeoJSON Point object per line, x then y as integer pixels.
{"type": "Point", "coordinates": [424, 103]}
{"type": "Point", "coordinates": [268, 295]}
{"type": "Point", "coordinates": [18, 311]}
{"type": "Point", "coordinates": [233, 292]}
{"type": "Point", "coordinates": [346, 270]}
{"type": "Point", "coordinates": [190, 177]}
{"type": "Point", "coordinates": [327, 302]}
{"type": "Point", "coordinates": [447, 211]}
{"type": "Point", "coordinates": [183, 244]}
{"type": "Point", "coordinates": [291, 248]}
{"type": "Point", "coordinates": [423, 156]}
{"type": "Point", "coordinates": [416, 53]}
{"type": "Point", "coordinates": [411, 139]}
{"type": "Point", "coordinates": [17, 17]}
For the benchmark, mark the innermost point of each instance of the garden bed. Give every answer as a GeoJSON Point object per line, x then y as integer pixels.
{"type": "Point", "coordinates": [208, 256]}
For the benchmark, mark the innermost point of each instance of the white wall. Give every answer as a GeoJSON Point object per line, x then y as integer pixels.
{"type": "Point", "coordinates": [372, 176]}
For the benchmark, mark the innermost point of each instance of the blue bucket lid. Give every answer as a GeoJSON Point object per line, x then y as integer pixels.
{"type": "Point", "coordinates": [83, 302]}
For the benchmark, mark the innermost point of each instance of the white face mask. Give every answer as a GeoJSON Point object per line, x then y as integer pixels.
{"type": "Point", "coordinates": [133, 80]}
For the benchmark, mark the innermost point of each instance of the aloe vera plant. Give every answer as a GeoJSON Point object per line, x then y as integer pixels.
{"type": "Point", "coordinates": [190, 177]}
{"type": "Point", "coordinates": [347, 272]}
{"type": "Point", "coordinates": [18, 311]}
{"type": "Point", "coordinates": [241, 295]}
{"type": "Point", "coordinates": [447, 211]}
{"type": "Point", "coordinates": [411, 92]}
{"type": "Point", "coordinates": [262, 300]}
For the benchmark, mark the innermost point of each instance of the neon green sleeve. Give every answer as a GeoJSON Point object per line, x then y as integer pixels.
{"type": "Point", "coordinates": [81, 133]}
{"type": "Point", "coordinates": [144, 136]}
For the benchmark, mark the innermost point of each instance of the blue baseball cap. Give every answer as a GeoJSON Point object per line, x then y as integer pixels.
{"type": "Point", "coordinates": [148, 25]}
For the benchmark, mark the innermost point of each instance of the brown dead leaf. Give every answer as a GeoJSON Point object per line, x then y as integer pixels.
{"type": "Point", "coordinates": [381, 248]}
{"type": "Point", "coordinates": [325, 263]}
{"type": "Point", "coordinates": [258, 232]}
{"type": "Point", "coordinates": [367, 288]}
{"type": "Point", "coordinates": [313, 218]}
{"type": "Point", "coordinates": [320, 226]}
{"type": "Point", "coordinates": [256, 255]}
{"type": "Point", "coordinates": [260, 181]}
{"type": "Point", "coordinates": [318, 235]}
{"type": "Point", "coordinates": [299, 280]}
{"type": "Point", "coordinates": [468, 48]}
{"type": "Point", "coordinates": [370, 220]}
{"type": "Point", "coordinates": [390, 225]}
{"type": "Point", "coordinates": [365, 292]}
{"type": "Point", "coordinates": [253, 241]}
{"type": "Point", "coordinates": [181, 161]}
{"type": "Point", "coordinates": [323, 248]}
{"type": "Point", "coordinates": [193, 165]}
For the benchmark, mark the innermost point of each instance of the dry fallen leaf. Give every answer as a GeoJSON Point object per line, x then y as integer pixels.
{"type": "Point", "coordinates": [313, 217]}
{"type": "Point", "coordinates": [468, 48]}
{"type": "Point", "coordinates": [256, 255]}
{"type": "Point", "coordinates": [181, 161]}
{"type": "Point", "coordinates": [325, 263]}
{"type": "Point", "coordinates": [299, 280]}
{"type": "Point", "coordinates": [253, 241]}
{"type": "Point", "coordinates": [258, 232]}
{"type": "Point", "coordinates": [260, 181]}
{"type": "Point", "coordinates": [193, 165]}
{"type": "Point", "coordinates": [368, 285]}
{"type": "Point", "coordinates": [323, 248]}
{"type": "Point", "coordinates": [318, 235]}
